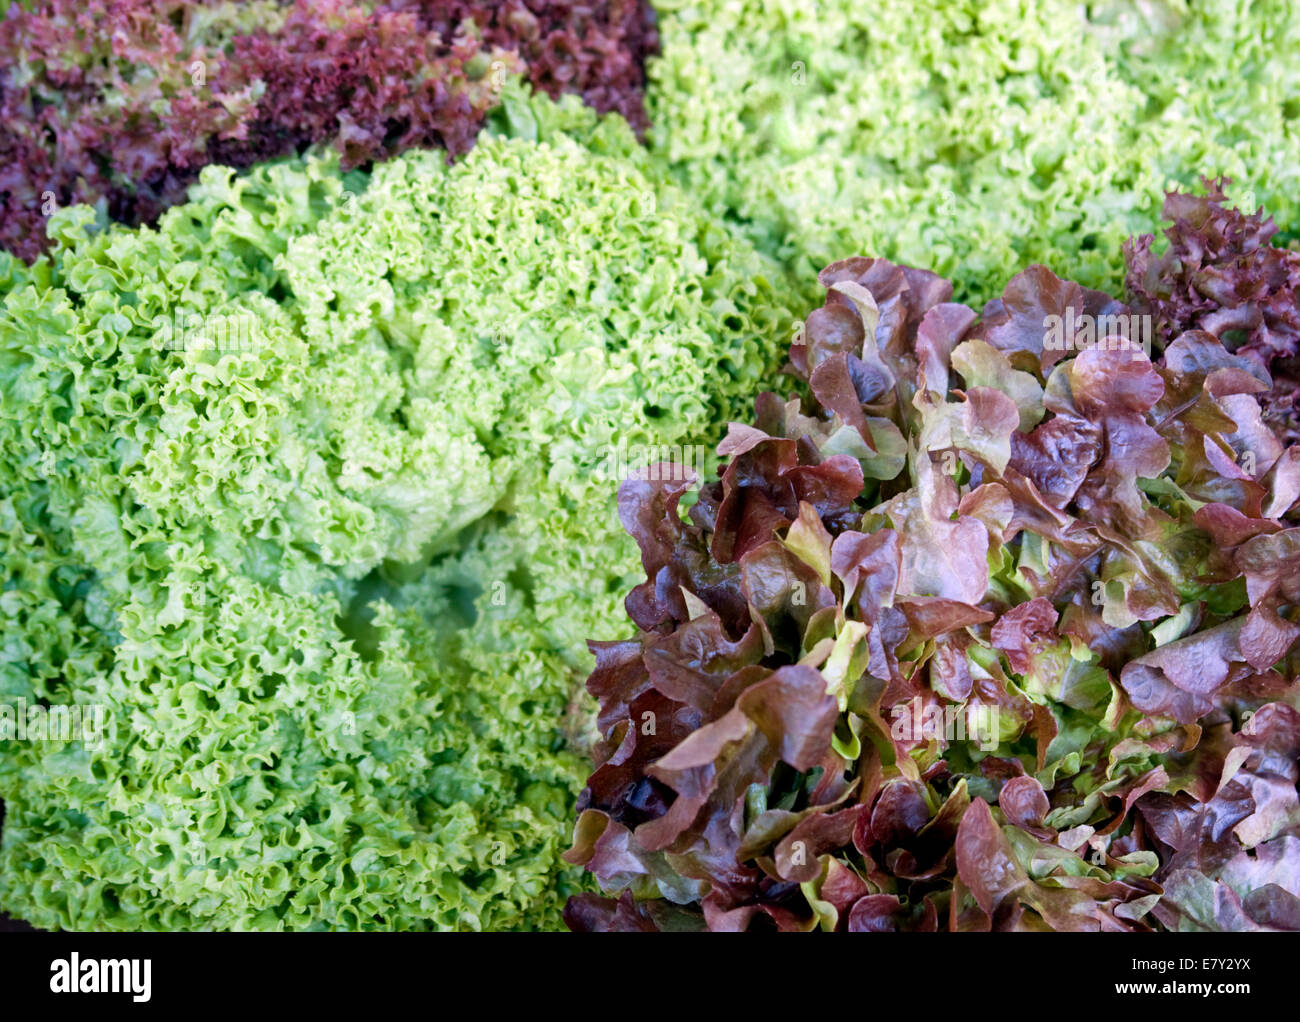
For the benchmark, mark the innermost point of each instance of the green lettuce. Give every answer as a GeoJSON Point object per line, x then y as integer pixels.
{"type": "Point", "coordinates": [309, 488]}
{"type": "Point", "coordinates": [972, 138]}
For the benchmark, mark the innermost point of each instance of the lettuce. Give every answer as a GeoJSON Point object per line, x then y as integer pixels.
{"type": "Point", "coordinates": [337, 572]}
{"type": "Point", "coordinates": [120, 105]}
{"type": "Point", "coordinates": [1037, 674]}
{"type": "Point", "coordinates": [970, 138]}
{"type": "Point", "coordinates": [1221, 273]}
{"type": "Point", "coordinates": [306, 487]}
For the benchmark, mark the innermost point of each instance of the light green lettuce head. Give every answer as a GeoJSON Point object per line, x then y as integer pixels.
{"type": "Point", "coordinates": [310, 487]}
{"type": "Point", "coordinates": [971, 138]}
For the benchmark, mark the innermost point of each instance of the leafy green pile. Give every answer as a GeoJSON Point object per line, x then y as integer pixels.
{"type": "Point", "coordinates": [305, 487]}
{"type": "Point", "coordinates": [992, 630]}
{"type": "Point", "coordinates": [1222, 274]}
{"type": "Point", "coordinates": [971, 137]}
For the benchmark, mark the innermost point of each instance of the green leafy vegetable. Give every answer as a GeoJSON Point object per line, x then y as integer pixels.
{"type": "Point", "coordinates": [971, 138]}
{"type": "Point", "coordinates": [307, 488]}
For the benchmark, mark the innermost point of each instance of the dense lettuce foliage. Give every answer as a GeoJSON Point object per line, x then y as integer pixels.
{"type": "Point", "coordinates": [331, 575]}
{"type": "Point", "coordinates": [121, 103]}
{"type": "Point", "coordinates": [1221, 273]}
{"type": "Point", "coordinates": [972, 138]}
{"type": "Point", "coordinates": [991, 630]}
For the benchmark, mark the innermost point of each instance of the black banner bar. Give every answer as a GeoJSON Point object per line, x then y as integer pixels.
{"type": "Point", "coordinates": [146, 972]}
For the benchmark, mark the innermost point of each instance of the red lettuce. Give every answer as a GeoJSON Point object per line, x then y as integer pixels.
{"type": "Point", "coordinates": [1221, 274]}
{"type": "Point", "coordinates": [120, 103]}
{"type": "Point", "coordinates": [976, 631]}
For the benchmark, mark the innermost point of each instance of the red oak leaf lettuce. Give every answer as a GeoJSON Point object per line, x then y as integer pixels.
{"type": "Point", "coordinates": [975, 631]}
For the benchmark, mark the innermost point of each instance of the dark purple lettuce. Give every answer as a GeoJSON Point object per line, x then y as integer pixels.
{"type": "Point", "coordinates": [1232, 861]}
{"type": "Point", "coordinates": [1221, 274]}
{"type": "Point", "coordinates": [120, 104]}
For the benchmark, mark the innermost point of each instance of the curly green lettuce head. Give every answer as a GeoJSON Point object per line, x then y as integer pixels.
{"type": "Point", "coordinates": [306, 488]}
{"type": "Point", "coordinates": [971, 138]}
